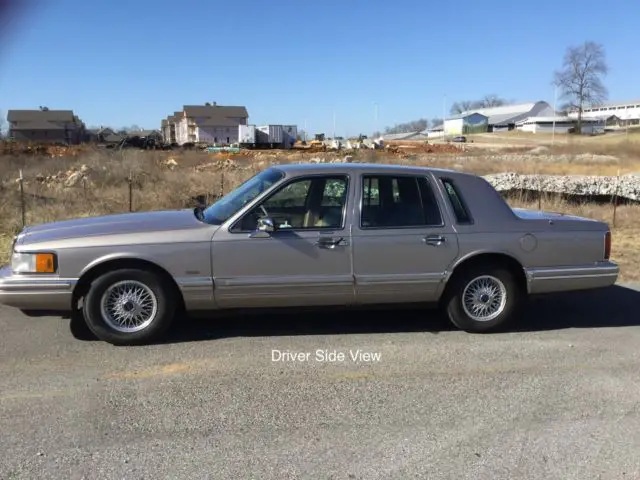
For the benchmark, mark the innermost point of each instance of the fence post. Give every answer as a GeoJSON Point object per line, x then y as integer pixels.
{"type": "Point", "coordinates": [539, 192]}
{"type": "Point", "coordinates": [221, 183]}
{"type": "Point", "coordinates": [23, 206]}
{"type": "Point", "coordinates": [615, 200]}
{"type": "Point", "coordinates": [130, 180]}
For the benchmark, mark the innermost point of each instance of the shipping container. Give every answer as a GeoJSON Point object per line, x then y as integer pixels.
{"type": "Point", "coordinates": [246, 134]}
{"type": "Point", "coordinates": [274, 133]}
{"type": "Point", "coordinates": [262, 137]}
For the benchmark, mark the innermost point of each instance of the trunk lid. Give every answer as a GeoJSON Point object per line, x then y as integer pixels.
{"type": "Point", "coordinates": [560, 220]}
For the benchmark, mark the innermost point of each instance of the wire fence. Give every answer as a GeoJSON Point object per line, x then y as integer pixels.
{"type": "Point", "coordinates": [83, 197]}
{"type": "Point", "coordinates": [224, 185]}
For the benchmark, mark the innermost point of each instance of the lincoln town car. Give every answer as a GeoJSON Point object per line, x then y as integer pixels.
{"type": "Point", "coordinates": [309, 235]}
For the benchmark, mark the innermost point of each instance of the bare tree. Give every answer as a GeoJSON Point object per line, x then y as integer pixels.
{"type": "Point", "coordinates": [462, 106]}
{"type": "Point", "coordinates": [492, 100]}
{"type": "Point", "coordinates": [132, 128]}
{"type": "Point", "coordinates": [2, 125]}
{"type": "Point", "coordinates": [488, 101]}
{"type": "Point", "coordinates": [435, 122]}
{"type": "Point", "coordinates": [580, 79]}
{"type": "Point", "coordinates": [409, 127]}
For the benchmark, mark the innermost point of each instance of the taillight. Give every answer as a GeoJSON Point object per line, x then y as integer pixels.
{"type": "Point", "coordinates": [607, 245]}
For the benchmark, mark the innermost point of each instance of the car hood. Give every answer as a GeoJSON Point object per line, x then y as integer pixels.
{"type": "Point", "coordinates": [111, 224]}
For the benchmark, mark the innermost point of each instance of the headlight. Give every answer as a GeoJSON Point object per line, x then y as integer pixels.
{"type": "Point", "coordinates": [33, 262]}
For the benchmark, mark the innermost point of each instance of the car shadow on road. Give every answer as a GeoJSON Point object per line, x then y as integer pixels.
{"type": "Point", "coordinates": [611, 307]}
{"type": "Point", "coordinates": [615, 306]}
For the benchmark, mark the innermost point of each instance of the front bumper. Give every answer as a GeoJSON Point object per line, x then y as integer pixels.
{"type": "Point", "coordinates": [31, 292]}
{"type": "Point", "coordinates": [564, 279]}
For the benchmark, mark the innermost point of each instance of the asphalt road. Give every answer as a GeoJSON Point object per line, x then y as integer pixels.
{"type": "Point", "coordinates": [559, 398]}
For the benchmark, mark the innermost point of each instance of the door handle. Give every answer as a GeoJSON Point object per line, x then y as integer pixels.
{"type": "Point", "coordinates": [434, 240]}
{"type": "Point", "coordinates": [329, 242]}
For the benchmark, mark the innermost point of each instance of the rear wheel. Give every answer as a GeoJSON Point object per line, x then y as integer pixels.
{"type": "Point", "coordinates": [483, 299]}
{"type": "Point", "coordinates": [129, 307]}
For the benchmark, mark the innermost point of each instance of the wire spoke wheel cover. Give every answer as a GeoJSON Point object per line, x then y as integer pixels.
{"type": "Point", "coordinates": [484, 298]}
{"type": "Point", "coordinates": [128, 306]}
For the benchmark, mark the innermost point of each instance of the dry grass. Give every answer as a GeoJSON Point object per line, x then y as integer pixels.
{"type": "Point", "coordinates": [621, 136]}
{"type": "Point", "coordinates": [156, 187]}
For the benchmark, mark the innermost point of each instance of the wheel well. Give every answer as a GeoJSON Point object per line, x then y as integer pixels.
{"type": "Point", "coordinates": [82, 287]}
{"type": "Point", "coordinates": [493, 260]}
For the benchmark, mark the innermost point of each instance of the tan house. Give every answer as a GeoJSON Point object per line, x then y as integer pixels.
{"type": "Point", "coordinates": [44, 125]}
{"type": "Point", "coordinates": [209, 123]}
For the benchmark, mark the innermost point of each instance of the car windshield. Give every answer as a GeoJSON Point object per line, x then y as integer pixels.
{"type": "Point", "coordinates": [220, 211]}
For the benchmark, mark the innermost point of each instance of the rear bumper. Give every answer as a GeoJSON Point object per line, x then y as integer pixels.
{"type": "Point", "coordinates": [563, 279]}
{"type": "Point", "coordinates": [29, 292]}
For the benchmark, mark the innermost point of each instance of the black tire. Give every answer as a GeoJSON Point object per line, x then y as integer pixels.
{"type": "Point", "coordinates": [455, 307]}
{"type": "Point", "coordinates": [161, 296]}
{"type": "Point", "coordinates": [79, 328]}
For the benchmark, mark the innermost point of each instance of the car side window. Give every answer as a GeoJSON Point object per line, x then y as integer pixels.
{"type": "Point", "coordinates": [307, 203]}
{"type": "Point", "coordinates": [458, 205]}
{"type": "Point", "coordinates": [398, 201]}
{"type": "Point", "coordinates": [334, 193]}
{"type": "Point", "coordinates": [291, 196]}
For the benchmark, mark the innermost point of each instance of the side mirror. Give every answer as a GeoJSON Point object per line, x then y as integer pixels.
{"type": "Point", "coordinates": [264, 229]}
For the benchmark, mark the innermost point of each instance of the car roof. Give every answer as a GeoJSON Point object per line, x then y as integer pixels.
{"type": "Point", "coordinates": [302, 168]}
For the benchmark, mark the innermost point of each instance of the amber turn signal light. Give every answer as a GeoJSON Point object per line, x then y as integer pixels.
{"type": "Point", "coordinates": [45, 263]}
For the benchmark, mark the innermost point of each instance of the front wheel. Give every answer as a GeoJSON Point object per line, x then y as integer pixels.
{"type": "Point", "coordinates": [129, 307]}
{"type": "Point", "coordinates": [483, 299]}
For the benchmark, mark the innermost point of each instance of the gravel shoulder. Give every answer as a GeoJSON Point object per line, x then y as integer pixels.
{"type": "Point", "coordinates": [558, 397]}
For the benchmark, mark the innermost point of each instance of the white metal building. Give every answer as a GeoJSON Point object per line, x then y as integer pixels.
{"type": "Point", "coordinates": [506, 117]}
{"type": "Point", "coordinates": [413, 136]}
{"type": "Point", "coordinates": [435, 132]}
{"type": "Point", "coordinates": [627, 112]}
{"type": "Point", "coordinates": [465, 123]}
{"type": "Point", "coordinates": [562, 124]}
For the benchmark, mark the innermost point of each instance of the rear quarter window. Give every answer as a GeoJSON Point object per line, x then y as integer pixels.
{"type": "Point", "coordinates": [460, 209]}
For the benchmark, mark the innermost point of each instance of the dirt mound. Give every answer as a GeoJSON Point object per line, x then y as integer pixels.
{"type": "Point", "coordinates": [417, 147]}
{"type": "Point", "coordinates": [44, 149]}
{"type": "Point", "coordinates": [74, 177]}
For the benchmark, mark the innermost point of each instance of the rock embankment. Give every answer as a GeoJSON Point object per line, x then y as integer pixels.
{"type": "Point", "coordinates": [625, 186]}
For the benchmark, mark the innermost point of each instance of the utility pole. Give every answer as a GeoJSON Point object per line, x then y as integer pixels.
{"type": "Point", "coordinates": [444, 114]}
{"type": "Point", "coordinates": [334, 124]}
{"type": "Point", "coordinates": [555, 100]}
{"type": "Point", "coordinates": [375, 116]}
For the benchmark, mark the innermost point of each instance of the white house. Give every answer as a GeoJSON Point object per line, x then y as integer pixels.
{"type": "Point", "coordinates": [465, 124]}
{"type": "Point", "coordinates": [213, 124]}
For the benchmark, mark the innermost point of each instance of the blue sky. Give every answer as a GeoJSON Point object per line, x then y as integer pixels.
{"type": "Point", "coordinates": [121, 63]}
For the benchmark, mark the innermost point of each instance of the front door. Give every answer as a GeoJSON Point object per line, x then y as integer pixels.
{"type": "Point", "coordinates": [402, 246]}
{"type": "Point", "coordinates": [306, 261]}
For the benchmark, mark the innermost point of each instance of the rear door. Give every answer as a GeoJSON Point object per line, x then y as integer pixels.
{"type": "Point", "coordinates": [402, 245]}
